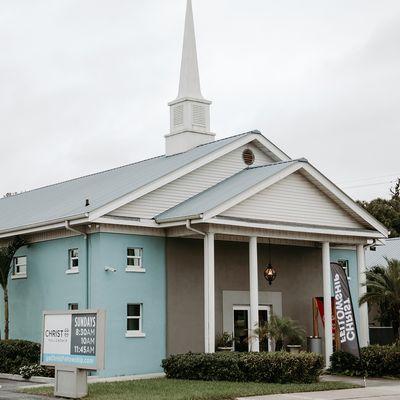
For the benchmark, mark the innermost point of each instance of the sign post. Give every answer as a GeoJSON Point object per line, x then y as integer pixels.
{"type": "Point", "coordinates": [73, 342]}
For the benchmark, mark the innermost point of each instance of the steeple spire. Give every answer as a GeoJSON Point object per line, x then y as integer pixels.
{"type": "Point", "coordinates": [190, 112]}
{"type": "Point", "coordinates": [189, 84]}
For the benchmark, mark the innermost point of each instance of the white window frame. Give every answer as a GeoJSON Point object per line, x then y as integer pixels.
{"type": "Point", "coordinates": [19, 275]}
{"type": "Point", "coordinates": [132, 268]}
{"type": "Point", "coordinates": [137, 333]}
{"type": "Point", "coordinates": [71, 269]}
{"type": "Point", "coordinates": [247, 308]}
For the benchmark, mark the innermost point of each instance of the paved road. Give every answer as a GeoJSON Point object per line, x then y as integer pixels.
{"type": "Point", "coordinates": [8, 390]}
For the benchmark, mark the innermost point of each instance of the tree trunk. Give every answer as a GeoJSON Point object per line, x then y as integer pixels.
{"type": "Point", "coordinates": [6, 315]}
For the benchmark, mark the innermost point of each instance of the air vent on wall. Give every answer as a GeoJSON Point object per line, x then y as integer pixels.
{"type": "Point", "coordinates": [248, 157]}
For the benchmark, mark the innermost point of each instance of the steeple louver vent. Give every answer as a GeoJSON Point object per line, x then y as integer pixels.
{"type": "Point", "coordinates": [199, 115]}
{"type": "Point", "coordinates": [178, 115]}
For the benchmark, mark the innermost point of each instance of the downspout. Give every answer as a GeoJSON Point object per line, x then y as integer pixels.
{"type": "Point", "coordinates": [190, 228]}
{"type": "Point", "coordinates": [85, 237]}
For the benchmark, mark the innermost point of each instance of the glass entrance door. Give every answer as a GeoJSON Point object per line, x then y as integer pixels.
{"type": "Point", "coordinates": [241, 326]}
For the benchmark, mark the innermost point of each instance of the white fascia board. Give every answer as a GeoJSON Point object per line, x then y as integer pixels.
{"type": "Point", "coordinates": [32, 230]}
{"type": "Point", "coordinates": [147, 223]}
{"type": "Point", "coordinates": [40, 227]}
{"type": "Point", "coordinates": [252, 191]}
{"type": "Point", "coordinates": [178, 173]}
{"type": "Point", "coordinates": [271, 147]}
{"type": "Point", "coordinates": [348, 201]}
{"type": "Point", "coordinates": [291, 228]}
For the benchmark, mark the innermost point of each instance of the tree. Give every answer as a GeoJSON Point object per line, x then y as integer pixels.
{"type": "Point", "coordinates": [282, 330]}
{"type": "Point", "coordinates": [387, 211]}
{"type": "Point", "coordinates": [6, 257]}
{"type": "Point", "coordinates": [383, 289]}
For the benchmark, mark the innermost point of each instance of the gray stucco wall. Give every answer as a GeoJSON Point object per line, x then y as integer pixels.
{"type": "Point", "coordinates": [299, 280]}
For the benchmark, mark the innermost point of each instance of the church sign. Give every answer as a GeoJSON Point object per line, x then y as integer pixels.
{"type": "Point", "coordinates": [345, 321]}
{"type": "Point", "coordinates": [73, 339]}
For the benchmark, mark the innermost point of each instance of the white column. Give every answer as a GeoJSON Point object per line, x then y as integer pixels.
{"type": "Point", "coordinates": [326, 273]}
{"type": "Point", "coordinates": [206, 290]}
{"type": "Point", "coordinates": [211, 293]}
{"type": "Point", "coordinates": [364, 325]}
{"type": "Point", "coordinates": [253, 269]}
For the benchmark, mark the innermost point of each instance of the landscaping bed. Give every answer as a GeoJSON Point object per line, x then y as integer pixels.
{"type": "Point", "coordinates": [171, 389]}
{"type": "Point", "coordinates": [276, 367]}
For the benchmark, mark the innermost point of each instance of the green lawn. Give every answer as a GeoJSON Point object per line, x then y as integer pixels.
{"type": "Point", "coordinates": [170, 389]}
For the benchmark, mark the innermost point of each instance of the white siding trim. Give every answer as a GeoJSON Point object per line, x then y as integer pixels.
{"type": "Point", "coordinates": [197, 181]}
{"type": "Point", "coordinates": [270, 148]}
{"type": "Point", "coordinates": [251, 192]}
{"type": "Point", "coordinates": [294, 200]}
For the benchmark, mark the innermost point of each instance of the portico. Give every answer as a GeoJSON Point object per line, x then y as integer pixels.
{"type": "Point", "coordinates": [301, 258]}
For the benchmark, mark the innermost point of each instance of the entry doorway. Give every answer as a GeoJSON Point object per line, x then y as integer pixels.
{"type": "Point", "coordinates": [241, 327]}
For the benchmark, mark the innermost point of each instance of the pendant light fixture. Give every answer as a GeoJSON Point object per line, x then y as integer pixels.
{"type": "Point", "coordinates": [269, 272]}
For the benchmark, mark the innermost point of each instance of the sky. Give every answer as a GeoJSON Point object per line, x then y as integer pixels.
{"type": "Point", "coordinates": [84, 85]}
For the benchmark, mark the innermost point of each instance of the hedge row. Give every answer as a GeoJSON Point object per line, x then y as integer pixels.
{"type": "Point", "coordinates": [15, 354]}
{"type": "Point", "coordinates": [375, 361]}
{"type": "Point", "coordinates": [278, 367]}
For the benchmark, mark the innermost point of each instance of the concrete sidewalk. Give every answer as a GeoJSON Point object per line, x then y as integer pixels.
{"type": "Point", "coordinates": [377, 389]}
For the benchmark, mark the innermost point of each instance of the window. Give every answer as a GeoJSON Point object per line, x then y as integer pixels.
{"type": "Point", "coordinates": [19, 267]}
{"type": "Point", "coordinates": [134, 320]}
{"type": "Point", "coordinates": [345, 266]}
{"type": "Point", "coordinates": [73, 261]}
{"type": "Point", "coordinates": [73, 306]}
{"type": "Point", "coordinates": [134, 260]}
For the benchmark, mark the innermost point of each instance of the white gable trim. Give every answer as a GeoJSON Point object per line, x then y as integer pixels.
{"type": "Point", "coordinates": [272, 150]}
{"type": "Point", "coordinates": [338, 194]}
{"type": "Point", "coordinates": [252, 191]}
{"type": "Point", "coordinates": [344, 198]}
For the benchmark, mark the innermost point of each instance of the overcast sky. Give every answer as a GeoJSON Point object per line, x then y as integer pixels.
{"type": "Point", "coordinates": [84, 85]}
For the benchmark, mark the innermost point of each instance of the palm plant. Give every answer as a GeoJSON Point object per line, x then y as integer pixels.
{"type": "Point", "coordinates": [282, 330]}
{"type": "Point", "coordinates": [383, 289]}
{"type": "Point", "coordinates": [6, 256]}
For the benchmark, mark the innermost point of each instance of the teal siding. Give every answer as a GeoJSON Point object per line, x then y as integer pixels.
{"type": "Point", "coordinates": [112, 291]}
{"type": "Point", "coordinates": [48, 287]}
{"type": "Point", "coordinates": [351, 255]}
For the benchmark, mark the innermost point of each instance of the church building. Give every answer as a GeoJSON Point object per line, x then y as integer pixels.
{"type": "Point", "coordinates": [177, 248]}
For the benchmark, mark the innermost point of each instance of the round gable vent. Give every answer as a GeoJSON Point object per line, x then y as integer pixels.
{"type": "Point", "coordinates": [248, 157]}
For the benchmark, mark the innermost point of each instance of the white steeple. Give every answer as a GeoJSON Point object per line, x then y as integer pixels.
{"type": "Point", "coordinates": [190, 112]}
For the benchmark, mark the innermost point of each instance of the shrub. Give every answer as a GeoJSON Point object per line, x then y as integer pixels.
{"type": "Point", "coordinates": [27, 371]}
{"type": "Point", "coordinates": [345, 363]}
{"type": "Point", "coordinates": [278, 367]}
{"type": "Point", "coordinates": [375, 361]}
{"type": "Point", "coordinates": [16, 353]}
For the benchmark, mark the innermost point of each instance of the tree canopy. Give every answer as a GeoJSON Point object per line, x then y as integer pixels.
{"type": "Point", "coordinates": [387, 211]}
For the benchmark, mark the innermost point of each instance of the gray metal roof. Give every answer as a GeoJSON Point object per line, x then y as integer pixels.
{"type": "Point", "coordinates": [67, 199]}
{"type": "Point", "coordinates": [223, 191]}
{"type": "Point", "coordinates": [391, 249]}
